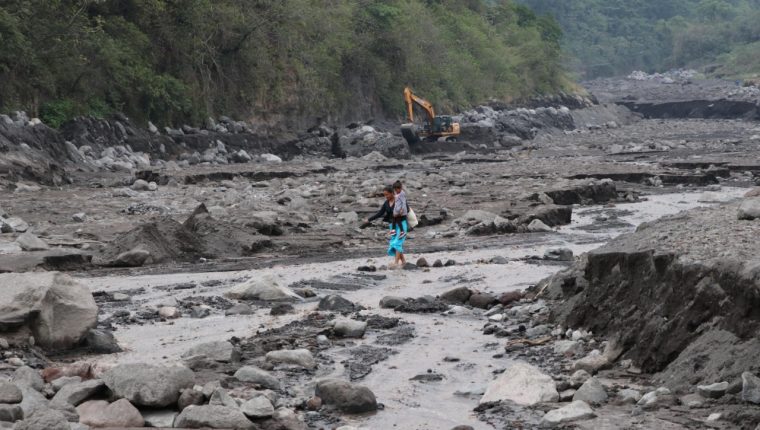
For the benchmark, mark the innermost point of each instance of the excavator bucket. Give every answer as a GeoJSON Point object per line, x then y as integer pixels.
{"type": "Point", "coordinates": [409, 131]}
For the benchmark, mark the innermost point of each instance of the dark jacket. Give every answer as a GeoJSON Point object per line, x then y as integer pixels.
{"type": "Point", "coordinates": [385, 212]}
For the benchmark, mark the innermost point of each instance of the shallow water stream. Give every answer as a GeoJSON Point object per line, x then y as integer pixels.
{"type": "Point", "coordinates": [408, 404]}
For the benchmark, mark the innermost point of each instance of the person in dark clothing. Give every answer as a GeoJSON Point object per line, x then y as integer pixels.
{"type": "Point", "coordinates": [386, 210]}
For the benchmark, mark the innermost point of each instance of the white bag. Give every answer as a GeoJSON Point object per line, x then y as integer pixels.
{"type": "Point", "coordinates": [411, 219]}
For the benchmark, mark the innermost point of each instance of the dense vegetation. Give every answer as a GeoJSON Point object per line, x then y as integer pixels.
{"type": "Point", "coordinates": [607, 37]}
{"type": "Point", "coordinates": [181, 60]}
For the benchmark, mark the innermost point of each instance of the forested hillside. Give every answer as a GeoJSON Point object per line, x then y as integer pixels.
{"type": "Point", "coordinates": [607, 37]}
{"type": "Point", "coordinates": [181, 60]}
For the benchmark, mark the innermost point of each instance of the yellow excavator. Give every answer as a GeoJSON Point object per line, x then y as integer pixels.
{"type": "Point", "coordinates": [433, 128]}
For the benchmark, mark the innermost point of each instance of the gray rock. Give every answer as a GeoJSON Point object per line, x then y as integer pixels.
{"type": "Point", "coordinates": [348, 217]}
{"type": "Point", "coordinates": [29, 242]}
{"type": "Point", "coordinates": [159, 419]}
{"type": "Point", "coordinates": [33, 401]}
{"type": "Point", "coordinates": [560, 254]}
{"type": "Point", "coordinates": [346, 396]}
{"type": "Point", "coordinates": [592, 392]}
{"type": "Point", "coordinates": [537, 226]}
{"type": "Point", "coordinates": [264, 288]}
{"type": "Point", "coordinates": [27, 376]}
{"type": "Point", "coordinates": [258, 407]}
{"type": "Point", "coordinates": [568, 348]}
{"type": "Point", "coordinates": [220, 397]}
{"type": "Point", "coordinates": [57, 310]}
{"type": "Point", "coordinates": [629, 396]}
{"type": "Point", "coordinates": [749, 209]}
{"type": "Point", "coordinates": [10, 393]}
{"type": "Point", "coordinates": [538, 331]}
{"type": "Point", "coordinates": [575, 411]}
{"type": "Point", "coordinates": [257, 376]}
{"type": "Point", "coordinates": [239, 309]}
{"type": "Point", "coordinates": [76, 393]}
{"type": "Point", "coordinates": [750, 388]}
{"type": "Point", "coordinates": [567, 395]}
{"type": "Point", "coordinates": [17, 225]}
{"type": "Point", "coordinates": [297, 357]}
{"type": "Point", "coordinates": [592, 363]}
{"type": "Point", "coordinates": [140, 185]}
{"type": "Point", "coordinates": [11, 412]}
{"type": "Point", "coordinates": [523, 384]}
{"type": "Point", "coordinates": [79, 217]}
{"type": "Point", "coordinates": [482, 300]}
{"type": "Point", "coordinates": [713, 391]}
{"type": "Point", "coordinates": [220, 351]}
{"type": "Point", "coordinates": [335, 303]}
{"type": "Point", "coordinates": [349, 328]}
{"type": "Point", "coordinates": [578, 378]}
{"type": "Point", "coordinates": [148, 385]}
{"type": "Point", "coordinates": [132, 258]}
{"type": "Point", "coordinates": [692, 401]}
{"type": "Point", "coordinates": [457, 296]}
{"type": "Point", "coordinates": [189, 397]}
{"type": "Point", "coordinates": [392, 302]}
{"type": "Point", "coordinates": [102, 342]}
{"type": "Point", "coordinates": [215, 417]}
{"type": "Point", "coordinates": [119, 414]}
{"type": "Point", "coordinates": [654, 399]}
{"type": "Point", "coordinates": [44, 419]}
{"type": "Point", "coordinates": [59, 383]}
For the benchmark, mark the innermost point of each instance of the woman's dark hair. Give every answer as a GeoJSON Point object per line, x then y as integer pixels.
{"type": "Point", "coordinates": [397, 185]}
{"type": "Point", "coordinates": [388, 189]}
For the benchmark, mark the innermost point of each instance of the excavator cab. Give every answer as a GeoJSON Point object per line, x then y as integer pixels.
{"type": "Point", "coordinates": [433, 127]}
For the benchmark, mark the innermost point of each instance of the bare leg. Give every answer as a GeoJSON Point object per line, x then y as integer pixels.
{"type": "Point", "coordinates": [403, 260]}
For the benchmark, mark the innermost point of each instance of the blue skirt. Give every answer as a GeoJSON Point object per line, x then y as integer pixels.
{"type": "Point", "coordinates": [396, 243]}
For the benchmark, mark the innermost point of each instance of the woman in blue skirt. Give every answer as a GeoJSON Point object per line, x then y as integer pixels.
{"type": "Point", "coordinates": [399, 226]}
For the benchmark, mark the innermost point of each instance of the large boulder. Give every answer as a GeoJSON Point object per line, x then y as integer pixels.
{"type": "Point", "coordinates": [265, 288]}
{"type": "Point", "coordinates": [749, 209]}
{"type": "Point", "coordinates": [592, 391]}
{"type": "Point", "coordinates": [119, 414]}
{"type": "Point", "coordinates": [457, 296]}
{"type": "Point", "coordinates": [577, 410]}
{"type": "Point", "coordinates": [53, 307]}
{"type": "Point", "coordinates": [30, 242]}
{"type": "Point", "coordinates": [523, 384]}
{"type": "Point", "coordinates": [9, 393]}
{"type": "Point", "coordinates": [48, 419]}
{"type": "Point", "coordinates": [336, 303]}
{"type": "Point", "coordinates": [215, 417]}
{"type": "Point", "coordinates": [148, 385]}
{"type": "Point", "coordinates": [349, 328]}
{"type": "Point", "coordinates": [78, 392]}
{"type": "Point", "coordinates": [220, 351]}
{"type": "Point", "coordinates": [346, 396]}
{"type": "Point", "coordinates": [296, 357]}
{"type": "Point", "coordinates": [363, 140]}
{"type": "Point", "coordinates": [258, 376]}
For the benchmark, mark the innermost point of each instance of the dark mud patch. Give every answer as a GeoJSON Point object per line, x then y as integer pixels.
{"type": "Point", "coordinates": [422, 305]}
{"type": "Point", "coordinates": [351, 282]}
{"type": "Point", "coordinates": [363, 357]}
{"type": "Point", "coordinates": [294, 335]}
{"type": "Point", "coordinates": [507, 415]}
{"type": "Point", "coordinates": [399, 336]}
{"type": "Point", "coordinates": [200, 236]}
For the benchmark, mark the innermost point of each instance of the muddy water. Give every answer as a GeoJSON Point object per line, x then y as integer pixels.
{"type": "Point", "coordinates": [408, 404]}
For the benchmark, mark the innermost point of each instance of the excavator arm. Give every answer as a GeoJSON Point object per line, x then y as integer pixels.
{"type": "Point", "coordinates": [412, 100]}
{"type": "Point", "coordinates": [434, 128]}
